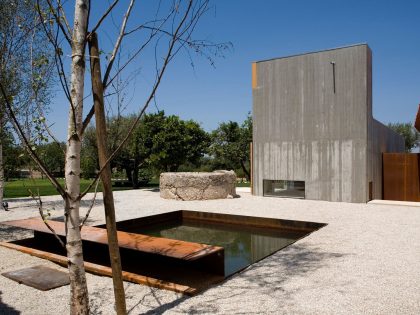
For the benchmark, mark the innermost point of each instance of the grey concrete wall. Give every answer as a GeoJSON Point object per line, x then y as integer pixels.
{"type": "Point", "coordinates": [304, 131]}
{"type": "Point", "coordinates": [381, 139]}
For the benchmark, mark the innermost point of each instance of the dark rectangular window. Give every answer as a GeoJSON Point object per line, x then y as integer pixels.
{"type": "Point", "coordinates": [284, 188]}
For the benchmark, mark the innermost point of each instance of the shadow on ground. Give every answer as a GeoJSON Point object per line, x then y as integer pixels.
{"type": "Point", "coordinates": [6, 309]}
{"type": "Point", "coordinates": [267, 278]}
{"type": "Point", "coordinates": [12, 233]}
{"type": "Point", "coordinates": [51, 204]}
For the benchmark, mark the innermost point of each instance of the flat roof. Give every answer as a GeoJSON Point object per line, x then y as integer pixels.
{"type": "Point", "coordinates": [312, 52]}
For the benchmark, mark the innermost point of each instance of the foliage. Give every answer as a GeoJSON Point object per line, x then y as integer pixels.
{"type": "Point", "coordinates": [52, 154]}
{"type": "Point", "coordinates": [230, 146]}
{"type": "Point", "coordinates": [13, 157]}
{"type": "Point", "coordinates": [17, 188]}
{"type": "Point", "coordinates": [89, 154]}
{"type": "Point", "coordinates": [26, 65]}
{"type": "Point", "coordinates": [409, 133]}
{"type": "Point", "coordinates": [159, 143]}
{"type": "Point", "coordinates": [177, 142]}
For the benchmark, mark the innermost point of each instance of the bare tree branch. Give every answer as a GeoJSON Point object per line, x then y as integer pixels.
{"type": "Point", "coordinates": [27, 145]}
{"type": "Point", "coordinates": [111, 59]}
{"type": "Point", "coordinates": [91, 205]}
{"type": "Point", "coordinates": [94, 29]}
{"type": "Point", "coordinates": [151, 96]}
{"type": "Point", "coordinates": [66, 21]}
{"type": "Point", "coordinates": [44, 219]}
{"type": "Point", "coordinates": [47, 128]}
{"type": "Point", "coordinates": [58, 61]}
{"type": "Point", "coordinates": [117, 43]}
{"type": "Point", "coordinates": [65, 32]}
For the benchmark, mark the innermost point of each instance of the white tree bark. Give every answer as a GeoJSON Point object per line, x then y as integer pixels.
{"type": "Point", "coordinates": [79, 301]}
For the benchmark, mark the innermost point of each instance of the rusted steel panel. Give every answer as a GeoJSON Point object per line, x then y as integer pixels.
{"type": "Point", "coordinates": [401, 176]}
{"type": "Point", "coordinates": [106, 271]}
{"type": "Point", "coordinates": [39, 277]}
{"type": "Point", "coordinates": [149, 244]}
{"type": "Point", "coordinates": [258, 222]}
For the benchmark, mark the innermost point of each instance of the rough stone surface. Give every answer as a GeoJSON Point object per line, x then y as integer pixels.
{"type": "Point", "coordinates": [198, 185]}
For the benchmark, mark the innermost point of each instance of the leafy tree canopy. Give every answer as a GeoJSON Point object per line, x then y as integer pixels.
{"type": "Point", "coordinates": [159, 142]}
{"type": "Point", "coordinates": [231, 145]}
{"type": "Point", "coordinates": [410, 134]}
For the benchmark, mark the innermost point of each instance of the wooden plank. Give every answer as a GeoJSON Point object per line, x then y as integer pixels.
{"type": "Point", "coordinates": [149, 244]}
{"type": "Point", "coordinates": [104, 271]}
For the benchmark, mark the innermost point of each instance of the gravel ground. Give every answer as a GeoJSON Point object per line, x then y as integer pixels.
{"type": "Point", "coordinates": [365, 261]}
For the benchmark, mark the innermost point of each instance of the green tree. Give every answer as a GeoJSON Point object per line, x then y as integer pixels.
{"type": "Point", "coordinates": [159, 142]}
{"type": "Point", "coordinates": [178, 142]}
{"type": "Point", "coordinates": [52, 155]}
{"type": "Point", "coordinates": [13, 157]}
{"type": "Point", "coordinates": [409, 133]}
{"type": "Point", "coordinates": [25, 71]}
{"type": "Point", "coordinates": [230, 146]}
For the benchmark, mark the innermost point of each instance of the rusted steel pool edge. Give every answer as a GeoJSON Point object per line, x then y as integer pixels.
{"type": "Point", "coordinates": [208, 255]}
{"type": "Point", "coordinates": [105, 271]}
{"type": "Point", "coordinates": [155, 245]}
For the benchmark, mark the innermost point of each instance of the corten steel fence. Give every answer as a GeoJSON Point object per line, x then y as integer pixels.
{"type": "Point", "coordinates": [401, 176]}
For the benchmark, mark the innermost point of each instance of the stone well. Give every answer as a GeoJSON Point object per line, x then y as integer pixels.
{"type": "Point", "coordinates": [198, 185]}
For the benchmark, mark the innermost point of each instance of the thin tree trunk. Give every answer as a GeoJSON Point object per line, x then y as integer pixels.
{"type": "Point", "coordinates": [79, 299]}
{"type": "Point", "coordinates": [98, 98]}
{"type": "Point", "coordinates": [128, 172]}
{"type": "Point", "coordinates": [247, 175]}
{"type": "Point", "coordinates": [135, 175]}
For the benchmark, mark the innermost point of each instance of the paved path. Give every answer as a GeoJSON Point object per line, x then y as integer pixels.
{"type": "Point", "coordinates": [365, 261]}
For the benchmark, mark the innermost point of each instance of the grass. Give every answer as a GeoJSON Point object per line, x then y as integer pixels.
{"type": "Point", "coordinates": [20, 187]}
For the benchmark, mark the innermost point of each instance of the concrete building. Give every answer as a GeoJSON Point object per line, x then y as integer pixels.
{"type": "Point", "coordinates": [314, 135]}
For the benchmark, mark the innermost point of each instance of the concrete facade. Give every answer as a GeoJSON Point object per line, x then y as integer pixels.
{"type": "Point", "coordinates": [312, 121]}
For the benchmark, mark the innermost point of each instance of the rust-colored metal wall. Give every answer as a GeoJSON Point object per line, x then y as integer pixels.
{"type": "Point", "coordinates": [401, 176]}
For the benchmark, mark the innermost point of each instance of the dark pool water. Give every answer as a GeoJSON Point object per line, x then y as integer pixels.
{"type": "Point", "coordinates": [243, 246]}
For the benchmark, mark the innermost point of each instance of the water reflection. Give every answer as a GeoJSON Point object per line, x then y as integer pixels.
{"type": "Point", "coordinates": [243, 246]}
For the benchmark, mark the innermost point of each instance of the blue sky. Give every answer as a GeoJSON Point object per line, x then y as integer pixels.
{"type": "Point", "coordinates": [266, 29]}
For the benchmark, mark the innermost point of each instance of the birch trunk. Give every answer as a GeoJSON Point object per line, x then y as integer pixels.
{"type": "Point", "coordinates": [79, 300]}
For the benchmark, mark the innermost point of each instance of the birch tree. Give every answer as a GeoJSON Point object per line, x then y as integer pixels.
{"type": "Point", "coordinates": [167, 32]}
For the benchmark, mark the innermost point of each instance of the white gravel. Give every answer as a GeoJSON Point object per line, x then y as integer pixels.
{"type": "Point", "coordinates": [365, 261]}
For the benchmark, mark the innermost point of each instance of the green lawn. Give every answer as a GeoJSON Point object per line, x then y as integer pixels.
{"type": "Point", "coordinates": [19, 187]}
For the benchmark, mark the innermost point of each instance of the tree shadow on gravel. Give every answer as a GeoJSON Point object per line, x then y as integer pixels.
{"type": "Point", "coordinates": [267, 277]}
{"type": "Point", "coordinates": [12, 233]}
{"type": "Point", "coordinates": [16, 205]}
{"type": "Point", "coordinates": [6, 309]}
